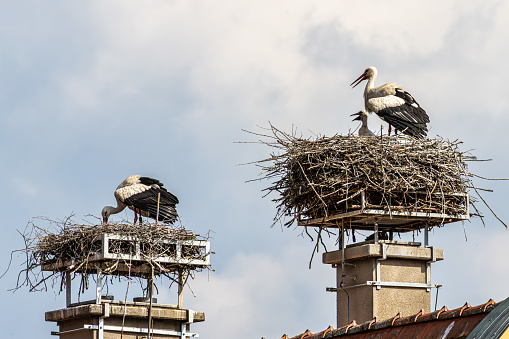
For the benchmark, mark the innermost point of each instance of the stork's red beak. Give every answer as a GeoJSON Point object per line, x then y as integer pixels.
{"type": "Point", "coordinates": [105, 220]}
{"type": "Point", "coordinates": [359, 80]}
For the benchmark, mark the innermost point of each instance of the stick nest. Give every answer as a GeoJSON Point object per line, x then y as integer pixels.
{"type": "Point", "coordinates": [71, 247]}
{"type": "Point", "coordinates": [318, 177]}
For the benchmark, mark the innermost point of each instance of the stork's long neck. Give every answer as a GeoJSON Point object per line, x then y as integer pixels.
{"type": "Point", "coordinates": [369, 86]}
{"type": "Point", "coordinates": [120, 207]}
{"type": "Point", "coordinates": [364, 120]}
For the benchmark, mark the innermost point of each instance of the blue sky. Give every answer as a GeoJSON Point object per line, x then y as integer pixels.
{"type": "Point", "coordinates": [94, 91]}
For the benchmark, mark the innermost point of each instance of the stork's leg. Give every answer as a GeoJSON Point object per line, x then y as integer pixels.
{"type": "Point", "coordinates": [141, 220]}
{"type": "Point", "coordinates": [390, 130]}
{"type": "Point", "coordinates": [135, 217]}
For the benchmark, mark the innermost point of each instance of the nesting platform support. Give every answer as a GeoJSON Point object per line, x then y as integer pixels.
{"type": "Point", "coordinates": [115, 319]}
{"type": "Point", "coordinates": [127, 256]}
{"type": "Point", "coordinates": [389, 218]}
{"type": "Point", "coordinates": [381, 279]}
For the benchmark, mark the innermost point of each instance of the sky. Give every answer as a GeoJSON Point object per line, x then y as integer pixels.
{"type": "Point", "coordinates": [94, 91]}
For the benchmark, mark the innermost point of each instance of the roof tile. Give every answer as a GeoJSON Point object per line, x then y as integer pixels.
{"type": "Point", "coordinates": [321, 334]}
{"type": "Point", "coordinates": [443, 323]}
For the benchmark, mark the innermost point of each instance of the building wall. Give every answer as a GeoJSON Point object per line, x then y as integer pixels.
{"type": "Point", "coordinates": [78, 323]}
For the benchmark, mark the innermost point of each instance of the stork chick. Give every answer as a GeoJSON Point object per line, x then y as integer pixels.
{"type": "Point", "coordinates": [364, 130]}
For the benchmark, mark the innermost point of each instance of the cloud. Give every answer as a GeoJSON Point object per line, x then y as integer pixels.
{"type": "Point", "coordinates": [266, 284]}
{"type": "Point", "coordinates": [93, 92]}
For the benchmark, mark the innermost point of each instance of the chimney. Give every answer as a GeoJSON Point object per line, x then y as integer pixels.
{"type": "Point", "coordinates": [165, 253]}
{"type": "Point", "coordinates": [382, 279]}
{"type": "Point", "coordinates": [118, 319]}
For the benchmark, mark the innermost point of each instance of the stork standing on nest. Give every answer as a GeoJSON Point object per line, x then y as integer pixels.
{"type": "Point", "coordinates": [393, 105]}
{"type": "Point", "coordinates": [146, 197]}
{"type": "Point", "coordinates": [364, 131]}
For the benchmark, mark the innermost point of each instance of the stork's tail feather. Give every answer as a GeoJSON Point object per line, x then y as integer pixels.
{"type": "Point", "coordinates": [410, 121]}
{"type": "Point", "coordinates": [167, 213]}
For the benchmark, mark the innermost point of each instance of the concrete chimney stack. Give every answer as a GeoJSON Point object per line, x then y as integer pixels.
{"type": "Point", "coordinates": [381, 279]}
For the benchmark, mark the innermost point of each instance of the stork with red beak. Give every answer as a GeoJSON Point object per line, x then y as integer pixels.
{"type": "Point", "coordinates": [393, 105]}
{"type": "Point", "coordinates": [146, 197]}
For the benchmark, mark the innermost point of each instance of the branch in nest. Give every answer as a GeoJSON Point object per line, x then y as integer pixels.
{"type": "Point", "coordinates": [314, 178]}
{"type": "Point", "coordinates": [65, 241]}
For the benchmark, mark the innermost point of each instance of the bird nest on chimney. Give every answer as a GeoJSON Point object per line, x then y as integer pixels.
{"type": "Point", "coordinates": [116, 250]}
{"type": "Point", "coordinates": [398, 182]}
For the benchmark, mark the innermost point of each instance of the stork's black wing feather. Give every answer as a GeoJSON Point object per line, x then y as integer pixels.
{"type": "Point", "coordinates": [150, 181]}
{"type": "Point", "coordinates": [409, 99]}
{"type": "Point", "coordinates": [416, 110]}
{"type": "Point", "coordinates": [167, 195]}
{"type": "Point", "coordinates": [404, 119]}
{"type": "Point", "coordinates": [147, 201]}
{"type": "Point", "coordinates": [409, 117]}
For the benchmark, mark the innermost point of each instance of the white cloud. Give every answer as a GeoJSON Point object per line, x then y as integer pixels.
{"type": "Point", "coordinates": [163, 88]}
{"type": "Point", "coordinates": [263, 294]}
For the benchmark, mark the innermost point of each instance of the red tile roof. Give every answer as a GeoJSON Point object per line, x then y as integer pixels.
{"type": "Point", "coordinates": [443, 323]}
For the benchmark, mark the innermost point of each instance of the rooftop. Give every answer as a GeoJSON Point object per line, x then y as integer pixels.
{"type": "Point", "coordinates": [443, 323]}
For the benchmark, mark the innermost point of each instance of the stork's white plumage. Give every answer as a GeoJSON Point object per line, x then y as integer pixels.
{"type": "Point", "coordinates": [393, 105]}
{"type": "Point", "coordinates": [143, 195]}
{"type": "Point", "coordinates": [364, 131]}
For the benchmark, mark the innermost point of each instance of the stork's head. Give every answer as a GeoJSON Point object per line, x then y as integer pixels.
{"type": "Point", "coordinates": [369, 73]}
{"type": "Point", "coordinates": [361, 115]}
{"type": "Point", "coordinates": [106, 212]}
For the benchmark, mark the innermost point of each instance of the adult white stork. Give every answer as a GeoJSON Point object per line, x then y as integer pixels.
{"type": "Point", "coordinates": [393, 105]}
{"type": "Point", "coordinates": [364, 131]}
{"type": "Point", "coordinates": [143, 195]}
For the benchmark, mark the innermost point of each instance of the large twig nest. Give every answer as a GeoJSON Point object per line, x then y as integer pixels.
{"type": "Point", "coordinates": [63, 246]}
{"type": "Point", "coordinates": [318, 177]}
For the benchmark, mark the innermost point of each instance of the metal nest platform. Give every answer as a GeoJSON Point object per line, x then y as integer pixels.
{"type": "Point", "coordinates": [63, 248]}
{"type": "Point", "coordinates": [387, 218]}
{"type": "Point", "coordinates": [129, 256]}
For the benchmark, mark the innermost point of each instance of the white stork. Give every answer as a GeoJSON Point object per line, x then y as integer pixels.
{"type": "Point", "coordinates": [393, 105]}
{"type": "Point", "coordinates": [364, 130]}
{"type": "Point", "coordinates": [143, 195]}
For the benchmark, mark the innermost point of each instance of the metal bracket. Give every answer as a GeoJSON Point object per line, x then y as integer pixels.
{"type": "Point", "coordinates": [190, 316]}
{"type": "Point", "coordinates": [85, 327]}
{"type": "Point", "coordinates": [378, 275]}
{"type": "Point", "coordinates": [388, 284]}
{"type": "Point", "coordinates": [68, 299]}
{"type": "Point", "coordinates": [378, 284]}
{"type": "Point", "coordinates": [99, 286]}
{"type": "Point", "coordinates": [100, 328]}
{"type": "Point", "coordinates": [428, 264]}
{"type": "Point", "coordinates": [426, 234]}
{"type": "Point", "coordinates": [106, 307]}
